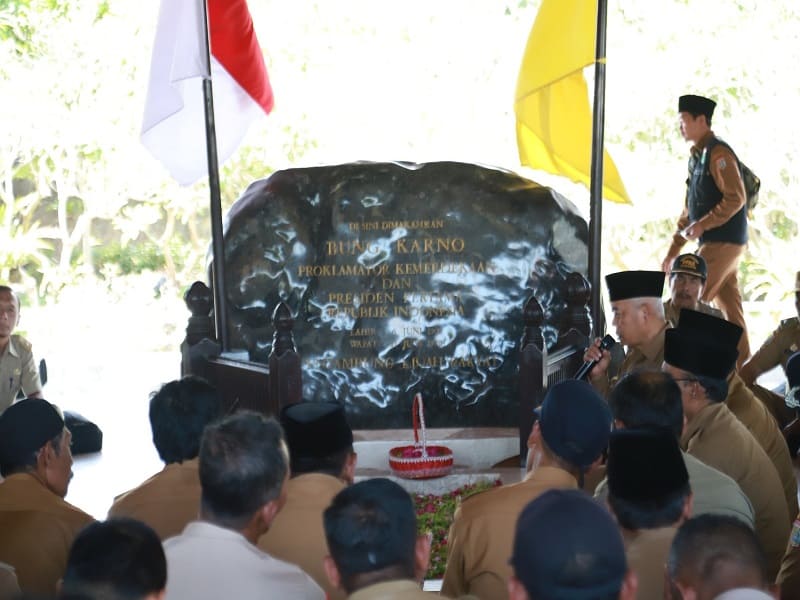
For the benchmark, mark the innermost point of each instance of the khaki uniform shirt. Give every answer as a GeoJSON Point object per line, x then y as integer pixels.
{"type": "Point", "coordinates": [760, 422]}
{"type": "Point", "coordinates": [401, 589]}
{"type": "Point", "coordinates": [779, 346]}
{"type": "Point", "coordinates": [719, 439]}
{"type": "Point", "coordinates": [789, 575]}
{"type": "Point", "coordinates": [673, 313]}
{"type": "Point", "coordinates": [647, 551]}
{"type": "Point", "coordinates": [712, 492]}
{"type": "Point", "coordinates": [18, 371]}
{"type": "Point", "coordinates": [36, 531]}
{"type": "Point", "coordinates": [481, 536]}
{"type": "Point", "coordinates": [167, 502]}
{"type": "Point", "coordinates": [647, 356]}
{"type": "Point", "coordinates": [297, 535]}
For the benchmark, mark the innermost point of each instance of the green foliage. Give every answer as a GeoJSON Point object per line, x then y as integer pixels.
{"type": "Point", "coordinates": [129, 258]}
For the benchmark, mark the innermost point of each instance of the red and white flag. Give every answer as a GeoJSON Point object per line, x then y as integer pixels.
{"type": "Point", "coordinates": [173, 129]}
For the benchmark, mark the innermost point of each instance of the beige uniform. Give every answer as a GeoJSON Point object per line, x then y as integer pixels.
{"type": "Point", "coordinates": [760, 422]}
{"type": "Point", "coordinates": [18, 371]}
{"type": "Point", "coordinates": [713, 492]}
{"type": "Point", "coordinates": [36, 531]}
{"type": "Point", "coordinates": [647, 356]}
{"type": "Point", "coordinates": [718, 438]}
{"type": "Point", "coordinates": [647, 551]}
{"type": "Point", "coordinates": [167, 502]}
{"type": "Point", "coordinates": [776, 350]}
{"type": "Point", "coordinates": [481, 536]}
{"type": "Point", "coordinates": [778, 347]}
{"type": "Point", "coordinates": [672, 313]}
{"type": "Point", "coordinates": [297, 535]}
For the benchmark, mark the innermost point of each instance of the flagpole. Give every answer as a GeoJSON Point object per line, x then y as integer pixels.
{"type": "Point", "coordinates": [217, 241]}
{"type": "Point", "coordinates": [596, 185]}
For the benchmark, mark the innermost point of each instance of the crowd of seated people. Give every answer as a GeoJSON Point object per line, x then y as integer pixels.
{"type": "Point", "coordinates": [665, 475]}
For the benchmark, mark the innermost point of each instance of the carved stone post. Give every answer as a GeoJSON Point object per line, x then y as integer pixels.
{"type": "Point", "coordinates": [199, 344]}
{"type": "Point", "coordinates": [532, 372]}
{"type": "Point", "coordinates": [285, 374]}
{"type": "Point", "coordinates": [578, 292]}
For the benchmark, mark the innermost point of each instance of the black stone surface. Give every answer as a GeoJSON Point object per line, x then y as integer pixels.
{"type": "Point", "coordinates": [402, 277]}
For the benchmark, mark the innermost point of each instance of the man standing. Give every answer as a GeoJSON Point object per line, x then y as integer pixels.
{"type": "Point", "coordinates": [569, 437]}
{"type": "Point", "coordinates": [687, 279]}
{"type": "Point", "coordinates": [17, 367]}
{"type": "Point", "coordinates": [639, 320]}
{"type": "Point", "coordinates": [715, 213]}
{"type": "Point", "coordinates": [322, 463]}
{"type": "Point", "coordinates": [36, 525]}
{"type": "Point", "coordinates": [244, 467]}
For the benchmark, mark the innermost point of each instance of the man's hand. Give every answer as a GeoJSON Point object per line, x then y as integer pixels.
{"type": "Point", "coordinates": [693, 231]}
{"type": "Point", "coordinates": [603, 358]}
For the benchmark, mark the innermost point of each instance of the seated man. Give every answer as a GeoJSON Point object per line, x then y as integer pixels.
{"type": "Point", "coordinates": [687, 278]}
{"type": "Point", "coordinates": [648, 492]}
{"type": "Point", "coordinates": [375, 551]}
{"type": "Point", "coordinates": [244, 467]}
{"type": "Point", "coordinates": [569, 437]}
{"type": "Point", "coordinates": [568, 546]}
{"type": "Point", "coordinates": [118, 559]}
{"type": "Point", "coordinates": [640, 324]}
{"type": "Point", "coordinates": [742, 403]}
{"type": "Point", "coordinates": [647, 398]}
{"type": "Point", "coordinates": [37, 525]}
{"type": "Point", "coordinates": [775, 351]}
{"type": "Point", "coordinates": [712, 554]}
{"type": "Point", "coordinates": [714, 435]}
{"type": "Point", "coordinates": [322, 463]}
{"type": "Point", "coordinates": [17, 366]}
{"type": "Point", "coordinates": [170, 499]}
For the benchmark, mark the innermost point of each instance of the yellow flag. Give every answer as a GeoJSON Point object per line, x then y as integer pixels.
{"type": "Point", "coordinates": [554, 119]}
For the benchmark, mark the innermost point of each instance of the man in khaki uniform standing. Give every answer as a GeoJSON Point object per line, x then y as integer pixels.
{"type": "Point", "coordinates": [715, 436]}
{"type": "Point", "coordinates": [322, 464]}
{"type": "Point", "coordinates": [36, 525]}
{"type": "Point", "coordinates": [649, 493]}
{"type": "Point", "coordinates": [750, 411]}
{"type": "Point", "coordinates": [568, 438]}
{"type": "Point", "coordinates": [687, 278]}
{"type": "Point", "coordinates": [714, 213]}
{"type": "Point", "coordinates": [639, 320]}
{"type": "Point", "coordinates": [18, 370]}
{"type": "Point", "coordinates": [170, 499]}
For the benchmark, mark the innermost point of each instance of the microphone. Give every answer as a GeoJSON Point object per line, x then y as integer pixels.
{"type": "Point", "coordinates": [605, 344]}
